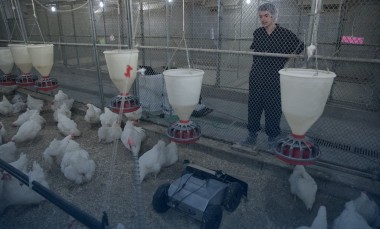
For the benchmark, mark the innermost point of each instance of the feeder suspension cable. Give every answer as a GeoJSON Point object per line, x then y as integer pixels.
{"type": "Point", "coordinates": [36, 22]}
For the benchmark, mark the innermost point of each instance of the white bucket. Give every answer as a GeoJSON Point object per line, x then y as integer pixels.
{"type": "Point", "coordinates": [21, 57]}
{"type": "Point", "coordinates": [183, 87]}
{"type": "Point", "coordinates": [304, 93]}
{"type": "Point", "coordinates": [6, 60]}
{"type": "Point", "coordinates": [42, 57]}
{"type": "Point", "coordinates": [122, 67]}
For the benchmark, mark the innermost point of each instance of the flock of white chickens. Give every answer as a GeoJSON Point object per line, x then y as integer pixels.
{"type": "Point", "coordinates": [361, 213]}
{"type": "Point", "coordinates": [74, 162]}
{"type": "Point", "coordinates": [76, 165]}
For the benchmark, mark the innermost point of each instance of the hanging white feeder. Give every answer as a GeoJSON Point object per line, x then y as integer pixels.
{"type": "Point", "coordinates": [42, 57]}
{"type": "Point", "coordinates": [24, 63]}
{"type": "Point", "coordinates": [304, 93]}
{"type": "Point", "coordinates": [122, 68]}
{"type": "Point", "coordinates": [6, 65]}
{"type": "Point", "coordinates": [183, 87]}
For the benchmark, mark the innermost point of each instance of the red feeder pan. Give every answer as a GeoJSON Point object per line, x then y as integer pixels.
{"type": "Point", "coordinates": [131, 103]}
{"type": "Point", "coordinates": [46, 84]}
{"type": "Point", "coordinates": [26, 80]}
{"type": "Point", "coordinates": [184, 132]}
{"type": "Point", "coordinates": [297, 150]}
{"type": "Point", "coordinates": [7, 80]}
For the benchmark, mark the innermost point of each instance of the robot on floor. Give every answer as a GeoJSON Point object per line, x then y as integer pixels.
{"type": "Point", "coordinates": [201, 193]}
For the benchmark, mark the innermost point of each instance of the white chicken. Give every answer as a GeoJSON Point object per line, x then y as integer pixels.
{"type": "Point", "coordinates": [62, 110]}
{"type": "Point", "coordinates": [132, 137]}
{"type": "Point", "coordinates": [77, 166]}
{"type": "Point", "coordinates": [92, 114]}
{"type": "Point", "coordinates": [109, 134]}
{"type": "Point", "coordinates": [24, 117]}
{"type": "Point", "coordinates": [17, 98]}
{"type": "Point", "coordinates": [67, 144]}
{"type": "Point", "coordinates": [21, 164]}
{"type": "Point", "coordinates": [366, 208]}
{"type": "Point", "coordinates": [3, 133]}
{"type": "Point", "coordinates": [320, 221]}
{"type": "Point", "coordinates": [34, 104]}
{"type": "Point", "coordinates": [19, 107]}
{"type": "Point", "coordinates": [169, 155]}
{"type": "Point", "coordinates": [67, 126]}
{"type": "Point", "coordinates": [29, 129]}
{"type": "Point", "coordinates": [135, 115]}
{"type": "Point", "coordinates": [61, 98]}
{"type": "Point", "coordinates": [8, 152]}
{"type": "Point", "coordinates": [53, 150]}
{"type": "Point", "coordinates": [15, 193]}
{"type": "Point", "coordinates": [303, 186]}
{"type": "Point", "coordinates": [108, 117]}
{"type": "Point", "coordinates": [350, 219]}
{"type": "Point", "coordinates": [149, 162]}
{"type": "Point", "coordinates": [6, 107]}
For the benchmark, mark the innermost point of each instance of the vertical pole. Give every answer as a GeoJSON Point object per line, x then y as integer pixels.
{"type": "Point", "coordinates": [75, 34]}
{"type": "Point", "coordinates": [311, 23]}
{"type": "Point", "coordinates": [93, 30]}
{"type": "Point", "coordinates": [104, 25]}
{"type": "Point", "coordinates": [142, 31]}
{"type": "Point", "coordinates": [47, 25]}
{"type": "Point", "coordinates": [128, 4]}
{"type": "Point", "coordinates": [218, 59]}
{"type": "Point", "coordinates": [121, 19]}
{"type": "Point", "coordinates": [21, 19]}
{"type": "Point", "coordinates": [240, 30]}
{"type": "Point", "coordinates": [61, 38]}
{"type": "Point", "coordinates": [5, 20]}
{"type": "Point", "coordinates": [167, 33]}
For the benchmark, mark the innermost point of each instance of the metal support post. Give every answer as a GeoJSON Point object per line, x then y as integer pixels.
{"type": "Point", "coordinates": [21, 20]}
{"type": "Point", "coordinates": [94, 41]}
{"type": "Point", "coordinates": [75, 34]}
{"type": "Point", "coordinates": [5, 20]}
{"type": "Point", "coordinates": [142, 30]}
{"type": "Point", "coordinates": [218, 55]}
{"type": "Point", "coordinates": [61, 38]}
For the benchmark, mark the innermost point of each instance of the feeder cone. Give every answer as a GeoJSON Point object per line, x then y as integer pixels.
{"type": "Point", "coordinates": [21, 57]}
{"type": "Point", "coordinates": [6, 65]}
{"type": "Point", "coordinates": [122, 68]}
{"type": "Point", "coordinates": [183, 87]}
{"type": "Point", "coordinates": [304, 93]}
{"type": "Point", "coordinates": [6, 60]}
{"type": "Point", "coordinates": [42, 56]}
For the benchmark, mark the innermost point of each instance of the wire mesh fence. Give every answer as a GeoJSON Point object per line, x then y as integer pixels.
{"type": "Point", "coordinates": [240, 84]}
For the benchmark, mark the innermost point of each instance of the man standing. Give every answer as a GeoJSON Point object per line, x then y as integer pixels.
{"type": "Point", "coordinates": [264, 79]}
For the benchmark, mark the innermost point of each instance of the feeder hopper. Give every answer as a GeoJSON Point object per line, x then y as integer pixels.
{"type": "Point", "coordinates": [6, 65]}
{"type": "Point", "coordinates": [23, 61]}
{"type": "Point", "coordinates": [42, 56]}
{"type": "Point", "coordinates": [183, 88]}
{"type": "Point", "coordinates": [122, 68]}
{"type": "Point", "coordinates": [304, 93]}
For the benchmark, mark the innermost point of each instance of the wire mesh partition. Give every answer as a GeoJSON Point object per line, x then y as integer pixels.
{"type": "Point", "coordinates": [241, 84]}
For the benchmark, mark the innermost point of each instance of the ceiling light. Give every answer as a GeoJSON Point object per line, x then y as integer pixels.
{"type": "Point", "coordinates": [101, 4]}
{"type": "Point", "coordinates": [53, 9]}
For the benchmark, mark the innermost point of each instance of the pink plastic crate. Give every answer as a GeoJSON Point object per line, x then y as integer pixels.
{"type": "Point", "coordinates": [352, 40]}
